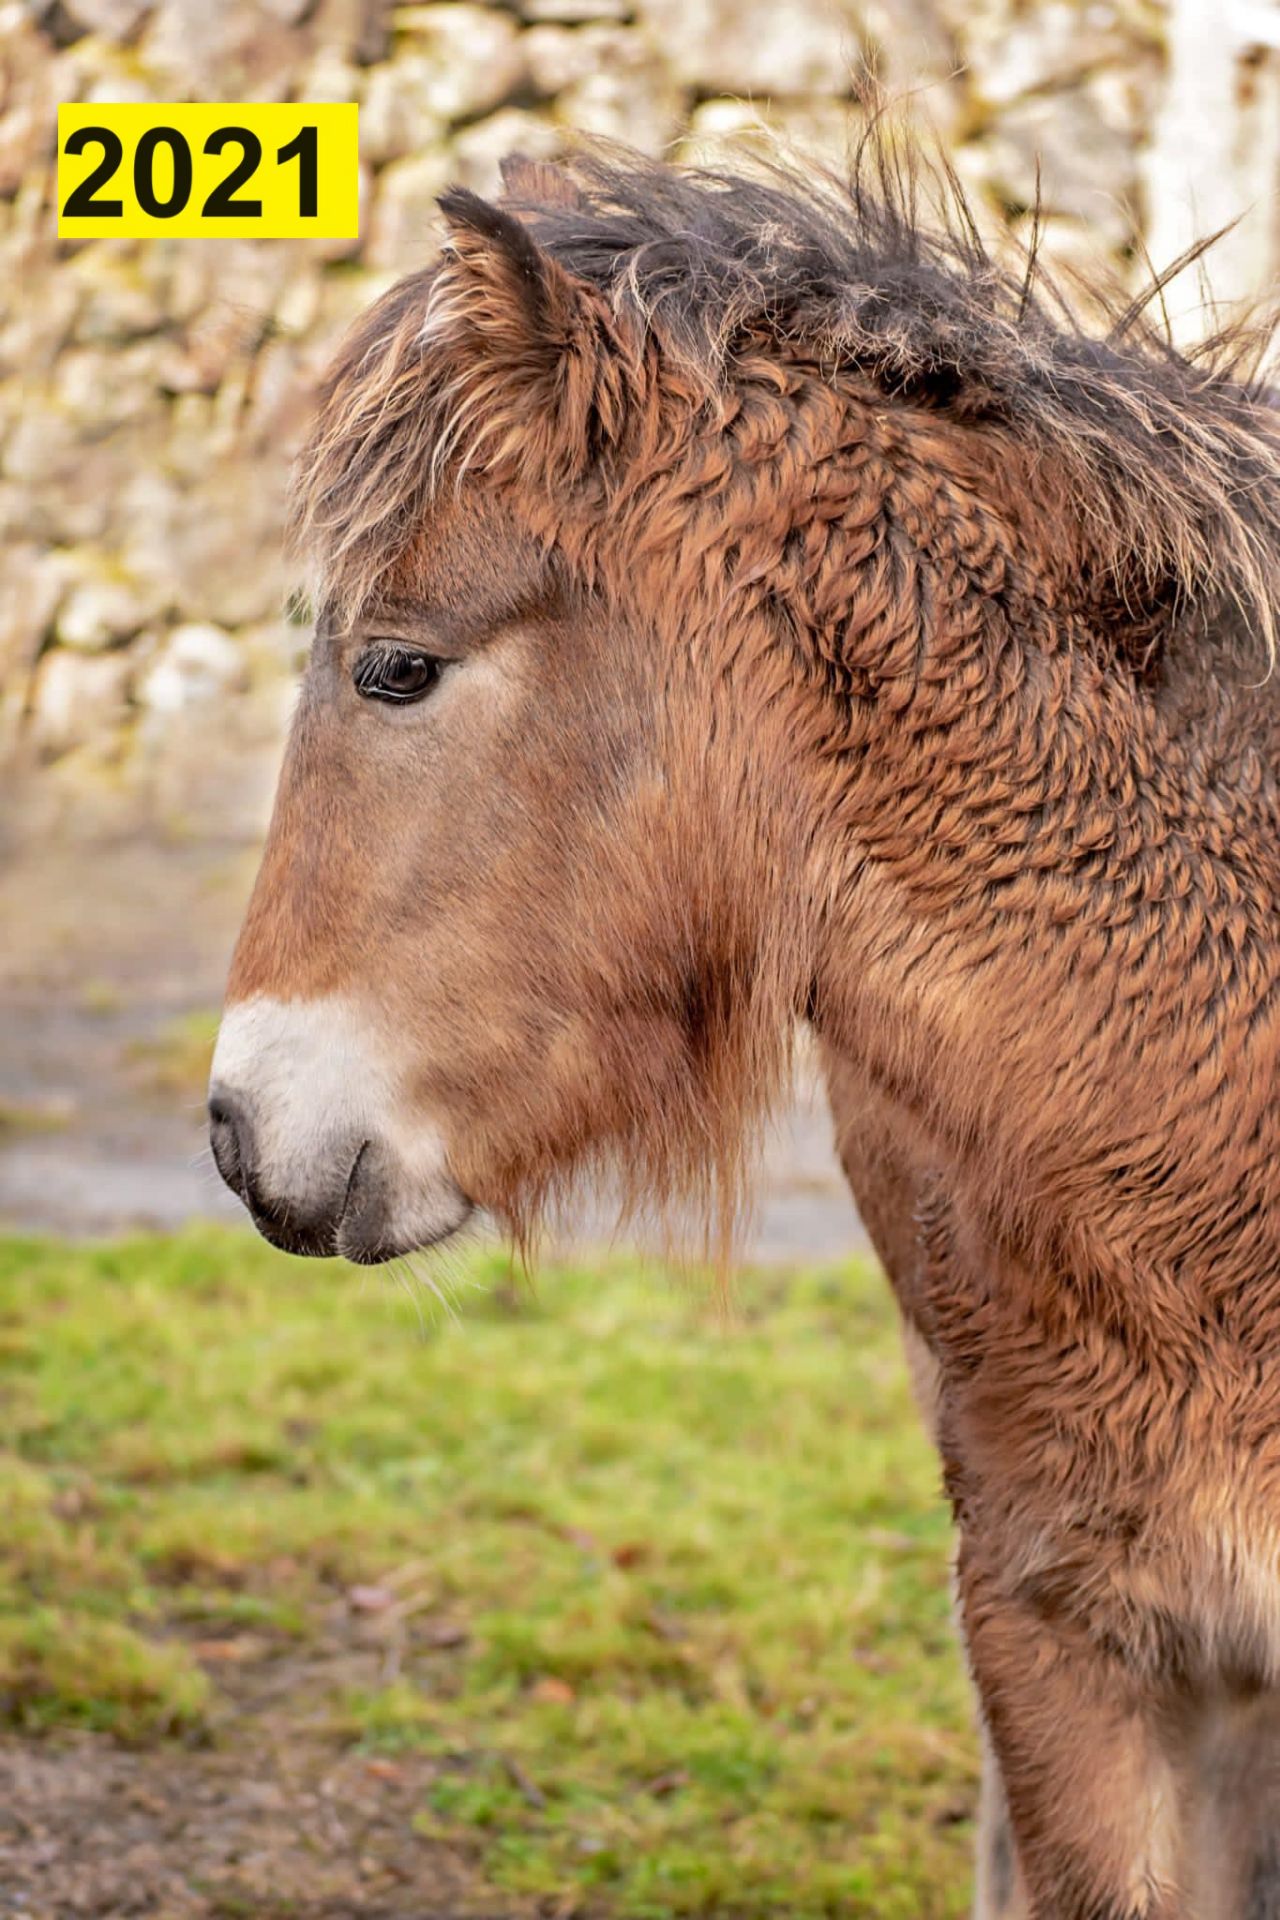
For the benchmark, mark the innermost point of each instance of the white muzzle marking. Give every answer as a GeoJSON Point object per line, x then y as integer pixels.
{"type": "Point", "coordinates": [316, 1082]}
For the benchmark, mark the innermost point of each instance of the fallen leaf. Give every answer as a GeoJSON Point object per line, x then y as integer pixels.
{"type": "Point", "coordinates": [664, 1783]}
{"type": "Point", "coordinates": [444, 1633]}
{"type": "Point", "coordinates": [551, 1691]}
{"type": "Point", "coordinates": [630, 1554]}
{"type": "Point", "coordinates": [370, 1599]}
{"type": "Point", "coordinates": [227, 1650]}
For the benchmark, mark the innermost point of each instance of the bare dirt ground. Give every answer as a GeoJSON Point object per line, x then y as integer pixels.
{"type": "Point", "coordinates": [263, 1829]}
{"type": "Point", "coordinates": [271, 1819]}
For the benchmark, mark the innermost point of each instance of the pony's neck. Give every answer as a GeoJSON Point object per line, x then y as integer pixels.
{"type": "Point", "coordinates": [1032, 899]}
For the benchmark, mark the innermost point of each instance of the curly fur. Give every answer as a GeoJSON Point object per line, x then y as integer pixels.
{"type": "Point", "coordinates": [1167, 467]}
{"type": "Point", "coordinates": [909, 663]}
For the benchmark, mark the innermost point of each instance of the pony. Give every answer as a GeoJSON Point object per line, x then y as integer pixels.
{"type": "Point", "coordinates": [744, 601]}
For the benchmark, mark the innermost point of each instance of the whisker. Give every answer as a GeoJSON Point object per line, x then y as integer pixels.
{"type": "Point", "coordinates": [396, 1268]}
{"type": "Point", "coordinates": [422, 1277]}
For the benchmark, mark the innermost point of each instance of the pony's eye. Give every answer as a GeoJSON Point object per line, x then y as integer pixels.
{"type": "Point", "coordinates": [398, 674]}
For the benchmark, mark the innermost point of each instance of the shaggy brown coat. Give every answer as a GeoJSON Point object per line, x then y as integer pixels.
{"type": "Point", "coordinates": [930, 703]}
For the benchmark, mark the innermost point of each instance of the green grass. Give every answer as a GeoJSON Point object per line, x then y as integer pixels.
{"type": "Point", "coordinates": [33, 1116]}
{"type": "Point", "coordinates": [176, 1060]}
{"type": "Point", "coordinates": [672, 1593]}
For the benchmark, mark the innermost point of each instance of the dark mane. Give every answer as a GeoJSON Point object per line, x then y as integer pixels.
{"type": "Point", "coordinates": [1169, 460]}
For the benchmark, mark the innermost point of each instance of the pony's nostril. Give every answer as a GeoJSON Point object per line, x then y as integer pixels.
{"type": "Point", "coordinates": [229, 1139]}
{"type": "Point", "coordinates": [302, 1213]}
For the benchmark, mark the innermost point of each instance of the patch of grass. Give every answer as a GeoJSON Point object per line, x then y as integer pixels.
{"type": "Point", "coordinates": [67, 1666]}
{"type": "Point", "coordinates": [176, 1060]}
{"type": "Point", "coordinates": [34, 1116]}
{"type": "Point", "coordinates": [663, 1599]}
{"type": "Point", "coordinates": [101, 997]}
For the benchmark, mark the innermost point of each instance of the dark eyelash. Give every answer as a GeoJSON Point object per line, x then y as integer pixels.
{"type": "Point", "coordinates": [375, 661]}
{"type": "Point", "coordinates": [377, 670]}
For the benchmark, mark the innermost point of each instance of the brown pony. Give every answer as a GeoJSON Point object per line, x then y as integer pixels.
{"type": "Point", "coordinates": [741, 602]}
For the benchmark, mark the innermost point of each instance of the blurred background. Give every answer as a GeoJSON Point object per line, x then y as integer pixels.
{"type": "Point", "coordinates": [590, 1604]}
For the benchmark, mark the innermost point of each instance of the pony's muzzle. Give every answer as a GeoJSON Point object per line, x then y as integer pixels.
{"type": "Point", "coordinates": [311, 1130]}
{"type": "Point", "coordinates": [302, 1223]}
{"type": "Point", "coordinates": [230, 1140]}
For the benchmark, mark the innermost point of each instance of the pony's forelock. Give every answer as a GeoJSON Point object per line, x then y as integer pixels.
{"type": "Point", "coordinates": [1170, 462]}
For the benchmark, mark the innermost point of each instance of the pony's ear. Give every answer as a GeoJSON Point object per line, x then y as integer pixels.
{"type": "Point", "coordinates": [529, 350]}
{"type": "Point", "coordinates": [502, 254]}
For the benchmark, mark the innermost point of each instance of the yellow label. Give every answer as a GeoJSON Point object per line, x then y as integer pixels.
{"type": "Point", "coordinates": [244, 169]}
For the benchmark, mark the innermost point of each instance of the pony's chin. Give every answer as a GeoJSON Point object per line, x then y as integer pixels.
{"type": "Point", "coordinates": [368, 1234]}
{"type": "Point", "coordinates": [412, 1228]}
{"type": "Point", "coordinates": [394, 1207]}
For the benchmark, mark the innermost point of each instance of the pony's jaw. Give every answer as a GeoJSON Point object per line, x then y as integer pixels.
{"type": "Point", "coordinates": [312, 1130]}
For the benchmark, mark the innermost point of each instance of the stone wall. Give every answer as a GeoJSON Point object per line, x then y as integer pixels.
{"type": "Point", "coordinates": [151, 393]}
